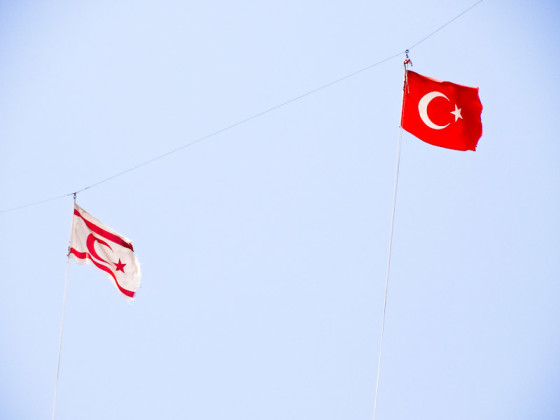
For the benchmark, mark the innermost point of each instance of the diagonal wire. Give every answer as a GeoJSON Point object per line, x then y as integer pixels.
{"type": "Point", "coordinates": [207, 136]}
{"type": "Point", "coordinates": [445, 24]}
{"type": "Point", "coordinates": [243, 121]}
{"type": "Point", "coordinates": [35, 203]}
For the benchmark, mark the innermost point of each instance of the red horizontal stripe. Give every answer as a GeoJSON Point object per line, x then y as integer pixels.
{"type": "Point", "coordinates": [80, 255]}
{"type": "Point", "coordinates": [102, 232]}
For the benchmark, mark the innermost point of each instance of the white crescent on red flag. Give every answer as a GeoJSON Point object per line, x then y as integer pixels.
{"type": "Point", "coordinates": [94, 243]}
{"type": "Point", "coordinates": [441, 113]}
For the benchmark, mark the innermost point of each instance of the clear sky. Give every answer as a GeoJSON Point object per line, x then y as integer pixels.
{"type": "Point", "coordinates": [264, 248]}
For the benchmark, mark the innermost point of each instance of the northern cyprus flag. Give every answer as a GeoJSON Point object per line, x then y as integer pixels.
{"type": "Point", "coordinates": [94, 243]}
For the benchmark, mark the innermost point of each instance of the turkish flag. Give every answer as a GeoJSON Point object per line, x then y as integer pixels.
{"type": "Point", "coordinates": [94, 243]}
{"type": "Point", "coordinates": [441, 113]}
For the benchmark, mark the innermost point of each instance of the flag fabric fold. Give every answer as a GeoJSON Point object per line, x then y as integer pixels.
{"type": "Point", "coordinates": [441, 113]}
{"type": "Point", "coordinates": [94, 243]}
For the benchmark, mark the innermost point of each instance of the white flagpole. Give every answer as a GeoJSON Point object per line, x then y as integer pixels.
{"type": "Point", "coordinates": [396, 183]}
{"type": "Point", "coordinates": [387, 273]}
{"type": "Point", "coordinates": [62, 319]}
{"type": "Point", "coordinates": [60, 338]}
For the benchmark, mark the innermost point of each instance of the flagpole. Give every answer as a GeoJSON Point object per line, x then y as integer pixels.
{"type": "Point", "coordinates": [62, 319]}
{"type": "Point", "coordinates": [60, 337]}
{"type": "Point", "coordinates": [395, 186]}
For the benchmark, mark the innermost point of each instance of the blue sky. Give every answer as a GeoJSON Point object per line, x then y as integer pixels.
{"type": "Point", "coordinates": [263, 248]}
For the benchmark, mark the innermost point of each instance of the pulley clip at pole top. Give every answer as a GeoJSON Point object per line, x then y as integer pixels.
{"type": "Point", "coordinates": [407, 60]}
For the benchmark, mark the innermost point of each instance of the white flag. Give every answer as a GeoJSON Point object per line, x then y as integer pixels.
{"type": "Point", "coordinates": [93, 242]}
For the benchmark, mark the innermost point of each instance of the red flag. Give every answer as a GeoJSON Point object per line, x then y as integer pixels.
{"type": "Point", "coordinates": [93, 242]}
{"type": "Point", "coordinates": [441, 113]}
